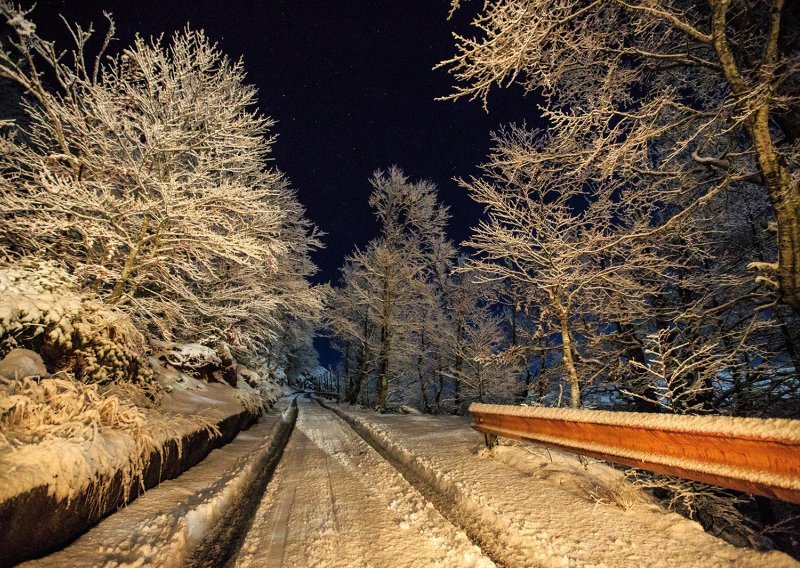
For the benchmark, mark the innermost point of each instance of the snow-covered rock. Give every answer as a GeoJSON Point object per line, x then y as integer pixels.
{"type": "Point", "coordinates": [20, 363]}
{"type": "Point", "coordinates": [192, 357]}
{"type": "Point", "coordinates": [200, 361]}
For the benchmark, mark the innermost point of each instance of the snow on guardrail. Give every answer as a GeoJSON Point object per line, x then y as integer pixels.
{"type": "Point", "coordinates": [754, 455]}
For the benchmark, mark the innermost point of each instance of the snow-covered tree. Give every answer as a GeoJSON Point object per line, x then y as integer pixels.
{"type": "Point", "coordinates": [472, 340]}
{"type": "Point", "coordinates": [347, 320]}
{"type": "Point", "coordinates": [377, 309]}
{"type": "Point", "coordinates": [564, 247]}
{"type": "Point", "coordinates": [684, 100]}
{"type": "Point", "coordinates": [145, 173]}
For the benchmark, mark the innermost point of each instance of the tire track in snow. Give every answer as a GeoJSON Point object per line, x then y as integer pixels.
{"type": "Point", "coordinates": [223, 541]}
{"type": "Point", "coordinates": [338, 503]}
{"type": "Point", "coordinates": [441, 502]}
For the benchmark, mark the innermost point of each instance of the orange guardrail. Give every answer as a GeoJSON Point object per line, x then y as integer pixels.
{"type": "Point", "coordinates": [754, 455]}
{"type": "Point", "coordinates": [327, 394]}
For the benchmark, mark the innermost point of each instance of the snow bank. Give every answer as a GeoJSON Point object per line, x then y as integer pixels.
{"type": "Point", "coordinates": [544, 507]}
{"type": "Point", "coordinates": [71, 452]}
{"type": "Point", "coordinates": [173, 518]}
{"type": "Point", "coordinates": [203, 362]}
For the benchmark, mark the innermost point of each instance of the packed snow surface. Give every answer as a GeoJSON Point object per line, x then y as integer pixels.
{"type": "Point", "coordinates": [335, 502]}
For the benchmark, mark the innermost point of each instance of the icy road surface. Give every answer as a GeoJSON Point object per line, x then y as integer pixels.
{"type": "Point", "coordinates": [334, 501]}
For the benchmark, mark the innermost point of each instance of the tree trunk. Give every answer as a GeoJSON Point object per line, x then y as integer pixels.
{"type": "Point", "coordinates": [541, 380]}
{"type": "Point", "coordinates": [420, 375]}
{"type": "Point", "coordinates": [783, 193]}
{"type": "Point", "coordinates": [386, 339]}
{"type": "Point", "coordinates": [480, 385]}
{"type": "Point", "coordinates": [383, 374]}
{"type": "Point", "coordinates": [440, 380]}
{"type": "Point", "coordinates": [458, 368]}
{"type": "Point", "coordinates": [569, 361]}
{"type": "Point", "coordinates": [130, 265]}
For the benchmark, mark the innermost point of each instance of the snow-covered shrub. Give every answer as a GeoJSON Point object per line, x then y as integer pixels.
{"type": "Point", "coordinates": [716, 509]}
{"type": "Point", "coordinates": [619, 492]}
{"type": "Point", "coordinates": [163, 207]}
{"type": "Point", "coordinates": [250, 398]}
{"type": "Point", "coordinates": [50, 416]}
{"type": "Point", "coordinates": [269, 389]}
{"type": "Point", "coordinates": [42, 310]}
{"type": "Point", "coordinates": [194, 358]}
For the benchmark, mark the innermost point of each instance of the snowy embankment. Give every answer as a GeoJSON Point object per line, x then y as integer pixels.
{"type": "Point", "coordinates": [163, 526]}
{"type": "Point", "coordinates": [527, 506]}
{"type": "Point", "coordinates": [54, 489]}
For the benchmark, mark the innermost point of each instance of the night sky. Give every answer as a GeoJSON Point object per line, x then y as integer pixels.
{"type": "Point", "coordinates": [352, 89]}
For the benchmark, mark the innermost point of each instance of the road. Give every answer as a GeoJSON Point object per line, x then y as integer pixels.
{"type": "Point", "coordinates": [334, 501]}
{"type": "Point", "coordinates": [306, 488]}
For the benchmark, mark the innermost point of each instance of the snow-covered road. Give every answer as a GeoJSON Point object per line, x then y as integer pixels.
{"type": "Point", "coordinates": [334, 501]}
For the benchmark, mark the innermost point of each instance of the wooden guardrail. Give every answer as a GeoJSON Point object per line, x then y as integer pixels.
{"type": "Point", "coordinates": [327, 394]}
{"type": "Point", "coordinates": [759, 456]}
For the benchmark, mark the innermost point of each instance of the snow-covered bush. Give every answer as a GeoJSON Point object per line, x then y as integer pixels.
{"type": "Point", "coordinates": [42, 310]}
{"type": "Point", "coordinates": [268, 389]}
{"type": "Point", "coordinates": [163, 207]}
{"type": "Point", "coordinates": [254, 389]}
{"type": "Point", "coordinates": [194, 358]}
{"type": "Point", "coordinates": [718, 510]}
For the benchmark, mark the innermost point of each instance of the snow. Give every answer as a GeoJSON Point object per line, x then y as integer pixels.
{"type": "Point", "coordinates": [73, 433]}
{"type": "Point", "coordinates": [172, 518]}
{"type": "Point", "coordinates": [335, 502]}
{"type": "Point", "coordinates": [723, 426]}
{"type": "Point", "coordinates": [533, 506]}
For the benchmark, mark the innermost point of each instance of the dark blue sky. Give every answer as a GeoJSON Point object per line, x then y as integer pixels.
{"type": "Point", "coordinates": [352, 88]}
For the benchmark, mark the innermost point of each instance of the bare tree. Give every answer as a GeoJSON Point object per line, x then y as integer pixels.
{"type": "Point", "coordinates": [563, 245]}
{"type": "Point", "coordinates": [684, 100]}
